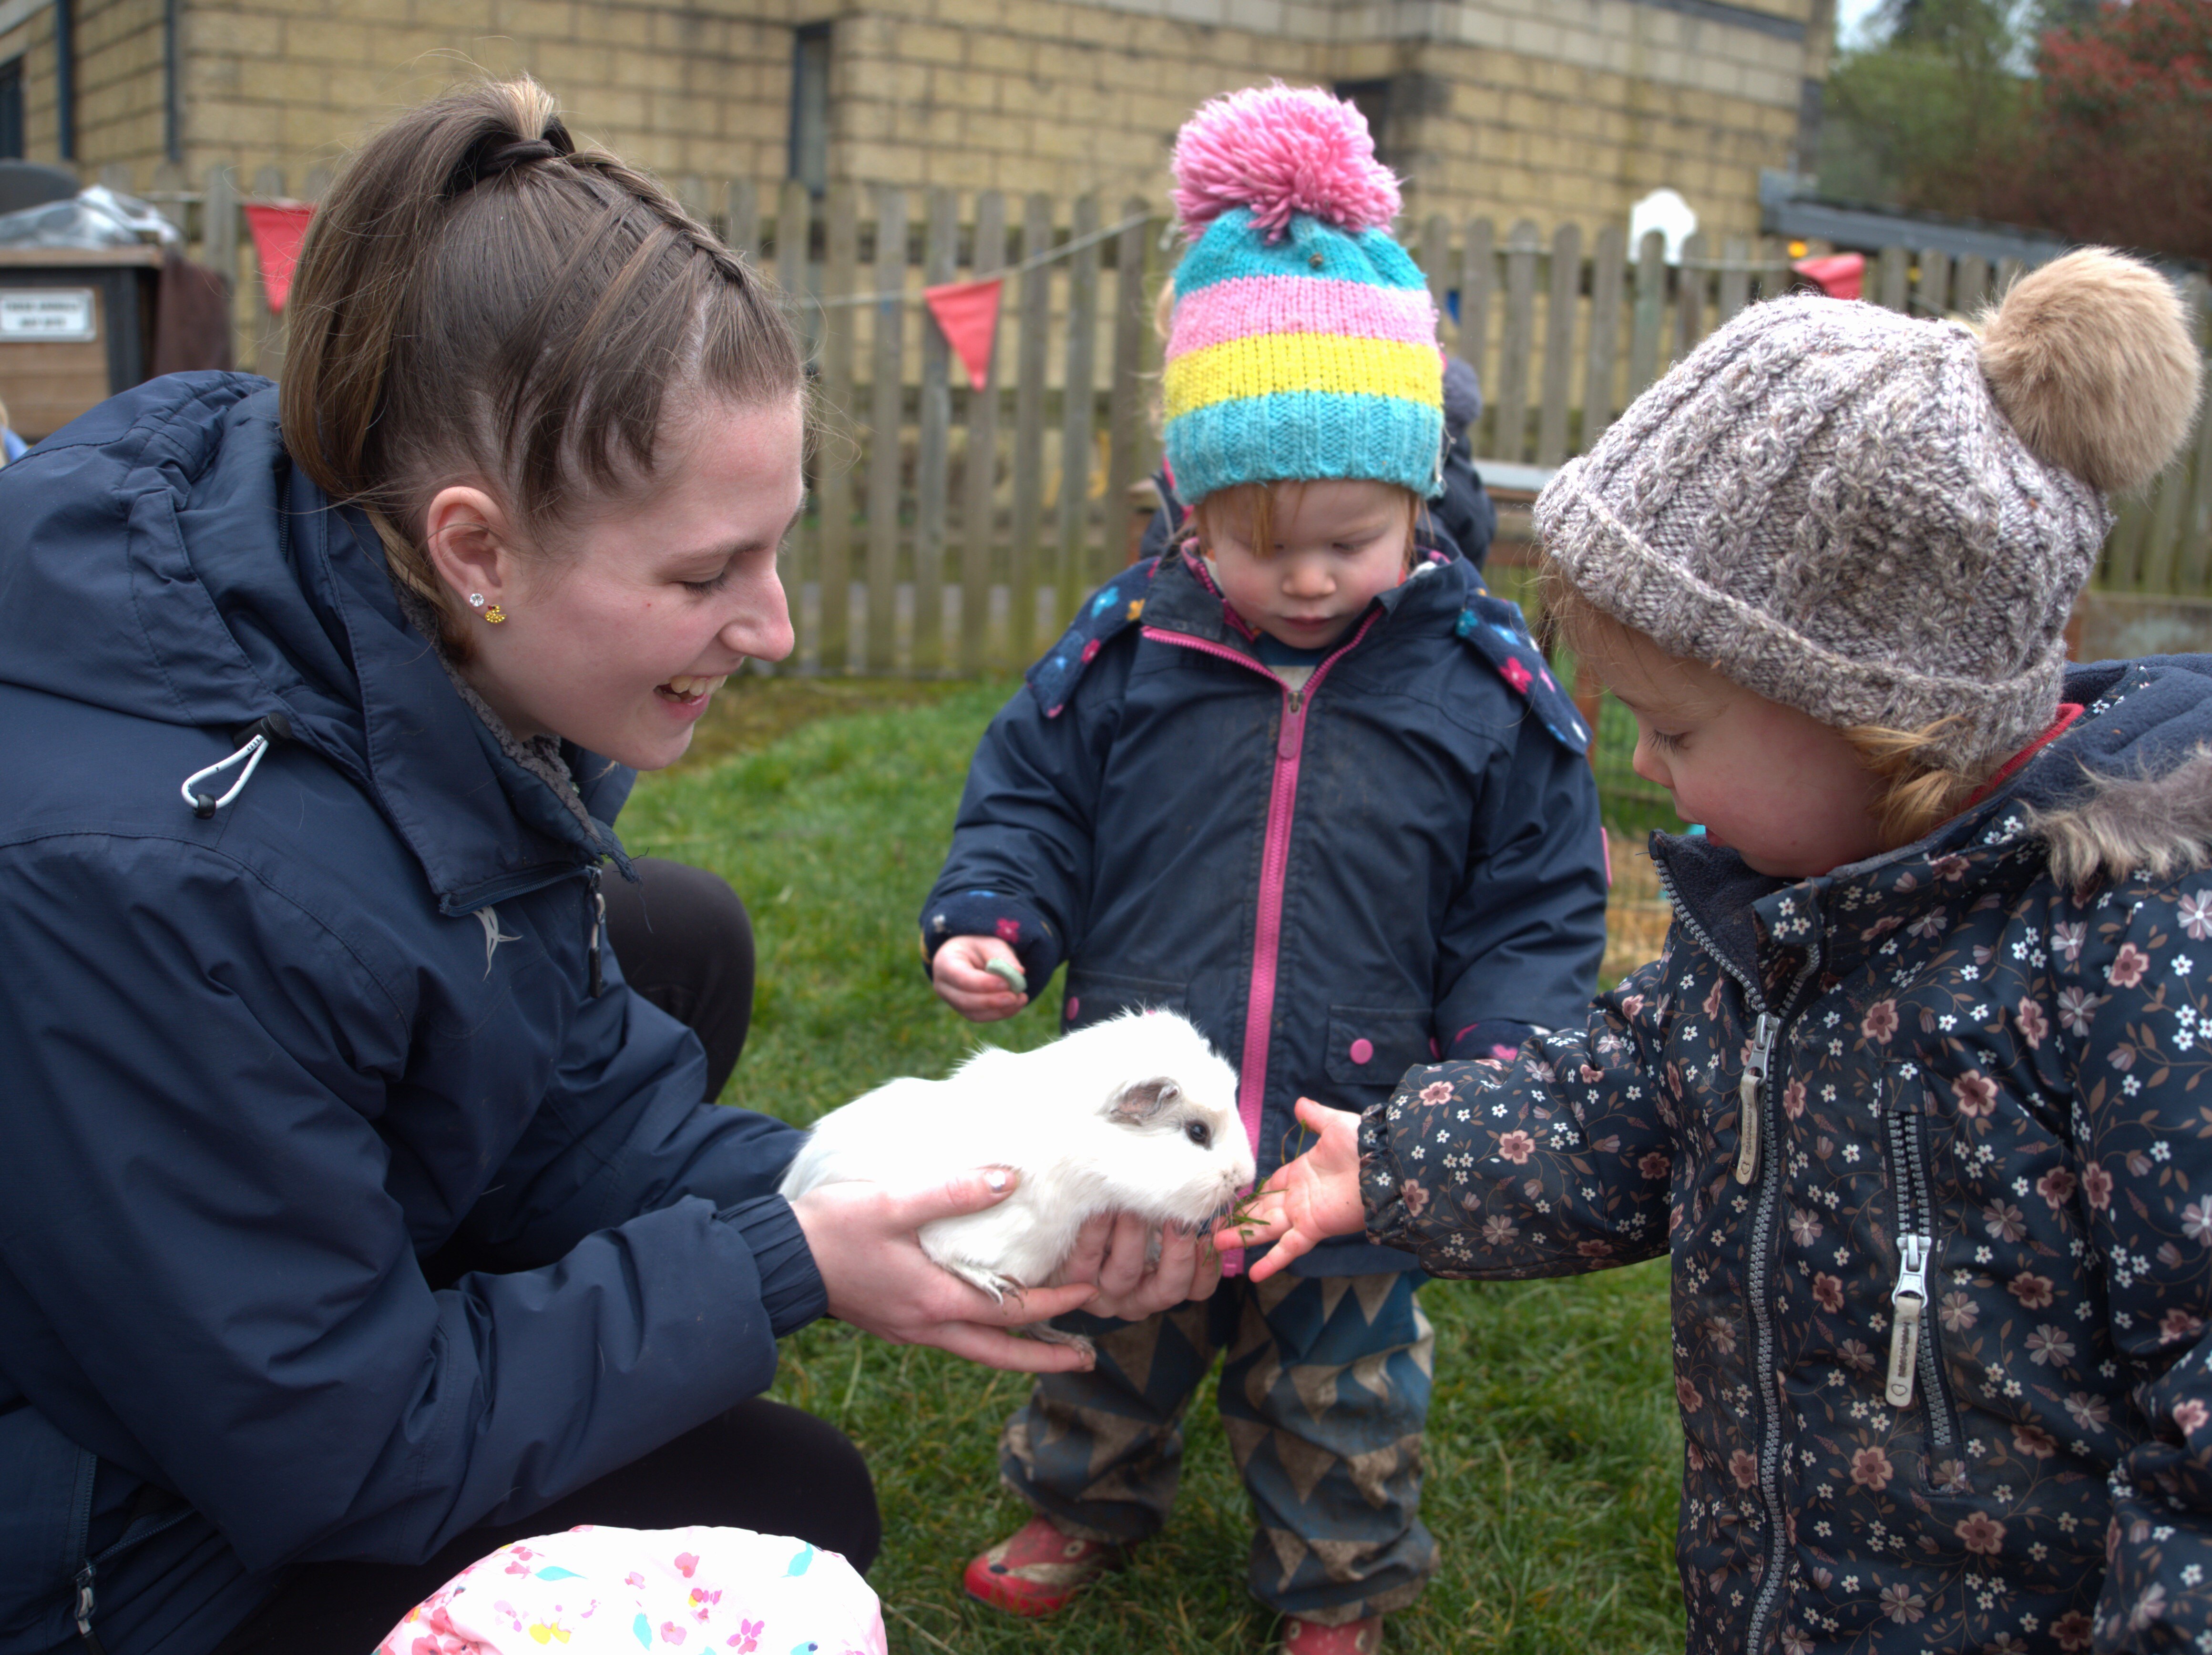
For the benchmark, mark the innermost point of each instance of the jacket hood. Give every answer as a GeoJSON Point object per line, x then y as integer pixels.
{"type": "Point", "coordinates": [2127, 786]}
{"type": "Point", "coordinates": [163, 558]}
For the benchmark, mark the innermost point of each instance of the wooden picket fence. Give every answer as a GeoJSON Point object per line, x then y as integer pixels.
{"type": "Point", "coordinates": [952, 530]}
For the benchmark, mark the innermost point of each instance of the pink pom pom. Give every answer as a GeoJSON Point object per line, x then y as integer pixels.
{"type": "Point", "coordinates": [1280, 150]}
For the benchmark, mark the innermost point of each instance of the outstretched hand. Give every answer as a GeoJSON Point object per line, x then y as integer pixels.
{"type": "Point", "coordinates": [959, 973]}
{"type": "Point", "coordinates": [878, 1278]}
{"type": "Point", "coordinates": [1308, 1200]}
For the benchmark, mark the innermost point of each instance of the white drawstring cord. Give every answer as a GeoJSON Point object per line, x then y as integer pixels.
{"type": "Point", "coordinates": [204, 807]}
{"type": "Point", "coordinates": [250, 755]}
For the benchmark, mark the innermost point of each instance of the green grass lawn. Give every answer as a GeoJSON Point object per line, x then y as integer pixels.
{"type": "Point", "coordinates": [1553, 1450]}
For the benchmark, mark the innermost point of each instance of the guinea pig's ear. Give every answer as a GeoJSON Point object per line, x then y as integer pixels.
{"type": "Point", "coordinates": [1142, 1102]}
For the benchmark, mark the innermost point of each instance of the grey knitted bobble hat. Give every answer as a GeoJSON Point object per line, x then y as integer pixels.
{"type": "Point", "coordinates": [1878, 520]}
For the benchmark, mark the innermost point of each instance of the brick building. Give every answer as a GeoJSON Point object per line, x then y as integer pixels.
{"type": "Point", "coordinates": [1554, 109]}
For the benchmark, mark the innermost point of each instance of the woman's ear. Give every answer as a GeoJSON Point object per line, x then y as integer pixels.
{"type": "Point", "coordinates": [469, 542]}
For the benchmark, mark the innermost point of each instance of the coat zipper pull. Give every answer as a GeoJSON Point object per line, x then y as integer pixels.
{"type": "Point", "coordinates": [84, 1632]}
{"type": "Point", "coordinates": [598, 917]}
{"type": "Point", "coordinates": [1754, 1077]}
{"type": "Point", "coordinates": [1910, 1299]}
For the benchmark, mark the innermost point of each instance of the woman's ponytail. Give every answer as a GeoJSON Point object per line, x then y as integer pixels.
{"type": "Point", "coordinates": [477, 297]}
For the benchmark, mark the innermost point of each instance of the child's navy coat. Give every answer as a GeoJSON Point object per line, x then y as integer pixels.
{"type": "Point", "coordinates": [1400, 861]}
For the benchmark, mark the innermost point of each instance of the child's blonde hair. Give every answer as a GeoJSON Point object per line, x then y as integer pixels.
{"type": "Point", "coordinates": [1918, 792]}
{"type": "Point", "coordinates": [1247, 510]}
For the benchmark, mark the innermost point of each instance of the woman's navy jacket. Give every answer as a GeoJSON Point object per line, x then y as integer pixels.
{"type": "Point", "coordinates": [260, 1065]}
{"type": "Point", "coordinates": [1401, 859]}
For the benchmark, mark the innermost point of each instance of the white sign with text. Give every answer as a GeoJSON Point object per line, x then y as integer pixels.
{"type": "Point", "coordinates": [60, 314]}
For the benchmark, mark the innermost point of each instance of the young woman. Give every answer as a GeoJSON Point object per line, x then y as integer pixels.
{"type": "Point", "coordinates": [354, 1214]}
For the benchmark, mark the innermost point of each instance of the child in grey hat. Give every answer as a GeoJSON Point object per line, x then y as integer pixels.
{"type": "Point", "coordinates": [1913, 1096]}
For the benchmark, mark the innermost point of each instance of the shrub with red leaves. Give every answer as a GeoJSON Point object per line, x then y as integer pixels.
{"type": "Point", "coordinates": [2123, 151]}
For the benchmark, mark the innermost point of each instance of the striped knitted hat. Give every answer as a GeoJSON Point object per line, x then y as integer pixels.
{"type": "Point", "coordinates": [1304, 342]}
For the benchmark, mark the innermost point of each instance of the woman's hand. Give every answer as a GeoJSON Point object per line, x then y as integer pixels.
{"type": "Point", "coordinates": [878, 1277]}
{"type": "Point", "coordinates": [1308, 1200]}
{"type": "Point", "coordinates": [980, 996]}
{"type": "Point", "coordinates": [1115, 1251]}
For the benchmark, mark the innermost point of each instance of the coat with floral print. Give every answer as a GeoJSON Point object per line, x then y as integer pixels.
{"type": "Point", "coordinates": [1942, 1271]}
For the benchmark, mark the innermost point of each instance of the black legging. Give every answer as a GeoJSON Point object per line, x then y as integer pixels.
{"type": "Point", "coordinates": [685, 944]}
{"type": "Point", "coordinates": [760, 1466]}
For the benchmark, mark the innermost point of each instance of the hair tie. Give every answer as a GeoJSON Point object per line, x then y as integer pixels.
{"type": "Point", "coordinates": [495, 153]}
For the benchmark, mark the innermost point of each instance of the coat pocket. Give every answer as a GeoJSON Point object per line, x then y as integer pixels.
{"type": "Point", "coordinates": [1374, 1046]}
{"type": "Point", "coordinates": [1094, 996]}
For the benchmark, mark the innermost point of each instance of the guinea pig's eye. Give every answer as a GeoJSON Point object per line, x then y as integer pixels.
{"type": "Point", "coordinates": [1199, 1133]}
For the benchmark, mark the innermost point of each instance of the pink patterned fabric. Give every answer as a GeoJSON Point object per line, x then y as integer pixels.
{"type": "Point", "coordinates": [1247, 304]}
{"type": "Point", "coordinates": [620, 1591]}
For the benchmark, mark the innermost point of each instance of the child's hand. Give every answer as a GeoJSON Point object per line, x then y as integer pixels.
{"type": "Point", "coordinates": [963, 983]}
{"type": "Point", "coordinates": [1308, 1200]}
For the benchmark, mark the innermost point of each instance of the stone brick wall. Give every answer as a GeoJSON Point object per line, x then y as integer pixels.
{"type": "Point", "coordinates": [1513, 108]}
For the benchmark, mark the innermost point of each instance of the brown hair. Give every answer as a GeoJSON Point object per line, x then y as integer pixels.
{"type": "Point", "coordinates": [1916, 794]}
{"type": "Point", "coordinates": [1250, 508]}
{"type": "Point", "coordinates": [477, 295]}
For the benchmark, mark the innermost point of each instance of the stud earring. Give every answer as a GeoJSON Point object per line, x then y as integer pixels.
{"type": "Point", "coordinates": [476, 600]}
{"type": "Point", "coordinates": [495, 614]}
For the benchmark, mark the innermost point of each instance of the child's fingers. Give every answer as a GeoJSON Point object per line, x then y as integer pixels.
{"type": "Point", "coordinates": [1292, 1245]}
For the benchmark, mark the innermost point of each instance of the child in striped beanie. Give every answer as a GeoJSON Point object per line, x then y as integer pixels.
{"type": "Point", "coordinates": [1303, 780]}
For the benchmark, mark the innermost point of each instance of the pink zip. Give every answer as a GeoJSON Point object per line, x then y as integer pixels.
{"type": "Point", "coordinates": [1275, 862]}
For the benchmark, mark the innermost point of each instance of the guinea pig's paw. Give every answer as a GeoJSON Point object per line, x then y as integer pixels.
{"type": "Point", "coordinates": [984, 1281]}
{"type": "Point", "coordinates": [1046, 1333]}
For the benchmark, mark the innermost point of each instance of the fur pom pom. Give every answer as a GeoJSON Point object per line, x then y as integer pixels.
{"type": "Point", "coordinates": [2090, 359]}
{"type": "Point", "coordinates": [1278, 150]}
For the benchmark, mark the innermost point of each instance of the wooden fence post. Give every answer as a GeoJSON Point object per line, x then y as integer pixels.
{"type": "Point", "coordinates": [1969, 284]}
{"type": "Point", "coordinates": [1932, 295]}
{"type": "Point", "coordinates": [741, 215]}
{"type": "Point", "coordinates": [1029, 428]}
{"type": "Point", "coordinates": [219, 242]}
{"type": "Point", "coordinates": [1125, 418]}
{"type": "Point", "coordinates": [1510, 433]}
{"type": "Point", "coordinates": [934, 452]}
{"type": "Point", "coordinates": [1689, 295]}
{"type": "Point", "coordinates": [979, 510]}
{"type": "Point", "coordinates": [268, 324]}
{"type": "Point", "coordinates": [834, 563]}
{"type": "Point", "coordinates": [1736, 279]}
{"type": "Point", "coordinates": [1477, 278]}
{"type": "Point", "coordinates": [1650, 312]}
{"type": "Point", "coordinates": [1077, 373]}
{"type": "Point", "coordinates": [887, 396]}
{"type": "Point", "coordinates": [1560, 342]}
{"type": "Point", "coordinates": [793, 234]}
{"type": "Point", "coordinates": [1435, 261]}
{"type": "Point", "coordinates": [1607, 270]}
{"type": "Point", "coordinates": [1893, 278]}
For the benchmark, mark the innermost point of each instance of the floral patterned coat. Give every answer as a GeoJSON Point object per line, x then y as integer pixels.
{"type": "Point", "coordinates": [1926, 1140]}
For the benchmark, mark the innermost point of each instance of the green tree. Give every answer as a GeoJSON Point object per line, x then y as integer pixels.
{"type": "Point", "coordinates": [1910, 119]}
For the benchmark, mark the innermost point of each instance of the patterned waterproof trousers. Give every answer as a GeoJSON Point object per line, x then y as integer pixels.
{"type": "Point", "coordinates": [1323, 1396]}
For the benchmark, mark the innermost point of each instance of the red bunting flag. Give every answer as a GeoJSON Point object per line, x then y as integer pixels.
{"type": "Point", "coordinates": [1839, 276]}
{"type": "Point", "coordinates": [279, 227]}
{"type": "Point", "coordinates": [967, 313]}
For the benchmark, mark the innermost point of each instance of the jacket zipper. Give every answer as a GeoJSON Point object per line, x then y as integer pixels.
{"type": "Point", "coordinates": [1755, 1091]}
{"type": "Point", "coordinates": [1913, 1353]}
{"type": "Point", "coordinates": [1274, 860]}
{"type": "Point", "coordinates": [595, 916]}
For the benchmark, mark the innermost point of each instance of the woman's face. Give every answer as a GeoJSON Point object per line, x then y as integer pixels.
{"type": "Point", "coordinates": [619, 635]}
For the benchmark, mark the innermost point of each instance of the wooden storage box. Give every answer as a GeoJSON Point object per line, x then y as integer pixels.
{"type": "Point", "coordinates": [76, 325]}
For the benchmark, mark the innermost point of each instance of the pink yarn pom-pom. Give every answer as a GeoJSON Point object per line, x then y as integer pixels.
{"type": "Point", "coordinates": [1278, 150]}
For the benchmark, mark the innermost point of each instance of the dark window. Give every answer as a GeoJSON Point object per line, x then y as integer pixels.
{"type": "Point", "coordinates": [1372, 100]}
{"type": "Point", "coordinates": [810, 107]}
{"type": "Point", "coordinates": [11, 110]}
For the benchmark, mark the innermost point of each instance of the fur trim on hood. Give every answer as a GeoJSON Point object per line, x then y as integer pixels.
{"type": "Point", "coordinates": [2160, 826]}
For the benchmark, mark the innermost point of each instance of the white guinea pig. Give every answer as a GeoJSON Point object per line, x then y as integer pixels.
{"type": "Point", "coordinates": [1134, 1114]}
